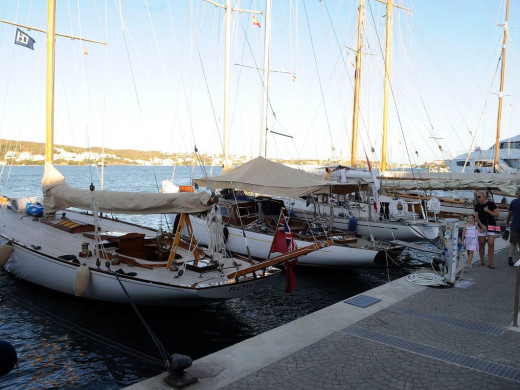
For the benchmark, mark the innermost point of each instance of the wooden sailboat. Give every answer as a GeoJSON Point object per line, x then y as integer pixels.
{"type": "Point", "coordinates": [84, 254]}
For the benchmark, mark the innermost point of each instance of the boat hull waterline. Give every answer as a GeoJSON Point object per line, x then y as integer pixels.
{"type": "Point", "coordinates": [334, 256]}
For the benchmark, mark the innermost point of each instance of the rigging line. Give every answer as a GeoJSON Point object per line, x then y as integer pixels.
{"type": "Point", "coordinates": [339, 46]}
{"type": "Point", "coordinates": [178, 91]}
{"type": "Point", "coordinates": [305, 217]}
{"type": "Point", "coordinates": [79, 329]}
{"type": "Point", "coordinates": [246, 40]}
{"type": "Point", "coordinates": [345, 66]}
{"type": "Point", "coordinates": [205, 82]}
{"type": "Point", "coordinates": [392, 92]}
{"type": "Point", "coordinates": [120, 10]}
{"type": "Point", "coordinates": [317, 72]}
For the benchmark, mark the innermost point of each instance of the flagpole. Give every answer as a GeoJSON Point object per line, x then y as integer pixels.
{"type": "Point", "coordinates": [267, 54]}
{"type": "Point", "coordinates": [51, 33]}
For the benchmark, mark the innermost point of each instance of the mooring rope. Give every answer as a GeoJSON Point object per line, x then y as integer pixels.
{"type": "Point", "coordinates": [80, 330]}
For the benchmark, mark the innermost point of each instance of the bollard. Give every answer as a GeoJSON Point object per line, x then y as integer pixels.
{"type": "Point", "coordinates": [517, 293]}
{"type": "Point", "coordinates": [177, 377]}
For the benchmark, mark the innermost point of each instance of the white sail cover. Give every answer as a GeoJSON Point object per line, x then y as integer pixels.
{"type": "Point", "coordinates": [505, 183]}
{"type": "Point", "coordinates": [262, 176]}
{"type": "Point", "coordinates": [58, 195]}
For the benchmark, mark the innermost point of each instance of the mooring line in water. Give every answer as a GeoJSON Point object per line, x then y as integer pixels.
{"type": "Point", "coordinates": [162, 350]}
{"type": "Point", "coordinates": [80, 330]}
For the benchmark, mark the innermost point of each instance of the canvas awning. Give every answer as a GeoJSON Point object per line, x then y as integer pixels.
{"type": "Point", "coordinates": [58, 195]}
{"type": "Point", "coordinates": [262, 176]}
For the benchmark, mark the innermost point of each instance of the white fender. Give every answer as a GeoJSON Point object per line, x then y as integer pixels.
{"type": "Point", "coordinates": [5, 253]}
{"type": "Point", "coordinates": [82, 280]}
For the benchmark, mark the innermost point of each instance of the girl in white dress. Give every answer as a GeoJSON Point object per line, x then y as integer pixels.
{"type": "Point", "coordinates": [470, 235]}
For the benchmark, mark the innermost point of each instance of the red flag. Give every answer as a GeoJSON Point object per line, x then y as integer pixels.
{"type": "Point", "coordinates": [283, 242]}
{"type": "Point", "coordinates": [256, 22]}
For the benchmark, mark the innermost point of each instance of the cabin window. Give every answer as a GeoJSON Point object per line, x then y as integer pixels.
{"type": "Point", "coordinates": [461, 163]}
{"type": "Point", "coordinates": [483, 164]}
{"type": "Point", "coordinates": [243, 211]}
{"type": "Point", "coordinates": [224, 211]}
{"type": "Point", "coordinates": [510, 145]}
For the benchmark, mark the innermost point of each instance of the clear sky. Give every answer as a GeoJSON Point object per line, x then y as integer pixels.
{"type": "Point", "coordinates": [160, 84]}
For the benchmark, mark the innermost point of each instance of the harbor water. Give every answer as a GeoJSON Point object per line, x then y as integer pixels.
{"type": "Point", "coordinates": [68, 342]}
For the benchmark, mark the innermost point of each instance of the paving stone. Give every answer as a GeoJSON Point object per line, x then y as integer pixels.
{"type": "Point", "coordinates": [343, 361]}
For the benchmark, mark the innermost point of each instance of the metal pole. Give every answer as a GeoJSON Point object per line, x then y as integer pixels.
{"type": "Point", "coordinates": [517, 298]}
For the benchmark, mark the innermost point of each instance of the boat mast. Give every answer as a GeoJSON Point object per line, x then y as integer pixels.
{"type": "Point", "coordinates": [51, 35]}
{"type": "Point", "coordinates": [227, 57]}
{"type": "Point", "coordinates": [389, 19]}
{"type": "Point", "coordinates": [501, 93]}
{"type": "Point", "coordinates": [357, 82]}
{"type": "Point", "coordinates": [267, 65]}
{"type": "Point", "coordinates": [227, 62]}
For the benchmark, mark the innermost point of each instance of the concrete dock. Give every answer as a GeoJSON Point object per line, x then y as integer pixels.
{"type": "Point", "coordinates": [408, 337]}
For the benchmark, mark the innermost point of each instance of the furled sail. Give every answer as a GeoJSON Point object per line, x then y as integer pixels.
{"type": "Point", "coordinates": [507, 184]}
{"type": "Point", "coordinates": [58, 195]}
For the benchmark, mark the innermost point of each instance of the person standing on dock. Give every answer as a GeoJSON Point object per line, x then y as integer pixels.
{"type": "Point", "coordinates": [514, 228]}
{"type": "Point", "coordinates": [485, 213]}
{"type": "Point", "coordinates": [470, 237]}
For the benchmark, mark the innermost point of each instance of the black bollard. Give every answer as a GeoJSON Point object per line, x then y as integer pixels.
{"type": "Point", "coordinates": [177, 377]}
{"type": "Point", "coordinates": [8, 358]}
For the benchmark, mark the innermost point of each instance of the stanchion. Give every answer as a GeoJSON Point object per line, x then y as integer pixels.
{"type": "Point", "coordinates": [517, 293]}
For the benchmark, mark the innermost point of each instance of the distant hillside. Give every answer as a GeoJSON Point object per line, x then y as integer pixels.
{"type": "Point", "coordinates": [36, 148]}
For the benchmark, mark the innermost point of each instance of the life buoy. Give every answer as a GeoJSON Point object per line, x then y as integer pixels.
{"type": "Point", "coordinates": [398, 208]}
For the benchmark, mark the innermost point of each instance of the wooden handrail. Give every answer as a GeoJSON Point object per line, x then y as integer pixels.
{"type": "Point", "coordinates": [281, 258]}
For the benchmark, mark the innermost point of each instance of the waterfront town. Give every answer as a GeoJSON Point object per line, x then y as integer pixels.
{"type": "Point", "coordinates": [30, 153]}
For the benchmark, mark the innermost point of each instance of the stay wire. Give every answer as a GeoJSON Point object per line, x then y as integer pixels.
{"type": "Point", "coordinates": [317, 72]}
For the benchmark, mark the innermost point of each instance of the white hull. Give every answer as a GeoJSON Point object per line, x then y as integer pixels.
{"type": "Point", "coordinates": [158, 286]}
{"type": "Point", "coordinates": [259, 245]}
{"type": "Point", "coordinates": [403, 229]}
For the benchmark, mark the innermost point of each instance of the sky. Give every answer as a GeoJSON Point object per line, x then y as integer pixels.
{"type": "Point", "coordinates": [158, 84]}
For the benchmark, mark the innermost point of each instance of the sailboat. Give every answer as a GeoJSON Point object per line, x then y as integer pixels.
{"type": "Point", "coordinates": [68, 246]}
{"type": "Point", "coordinates": [252, 216]}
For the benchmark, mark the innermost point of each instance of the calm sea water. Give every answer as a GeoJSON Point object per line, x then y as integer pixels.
{"type": "Point", "coordinates": [66, 342]}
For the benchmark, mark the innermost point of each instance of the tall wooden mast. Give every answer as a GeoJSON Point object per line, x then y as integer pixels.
{"type": "Point", "coordinates": [501, 93]}
{"type": "Point", "coordinates": [51, 39]}
{"type": "Point", "coordinates": [357, 82]}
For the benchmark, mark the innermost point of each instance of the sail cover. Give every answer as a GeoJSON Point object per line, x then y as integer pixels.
{"type": "Point", "coordinates": [507, 184]}
{"type": "Point", "coordinates": [58, 195]}
{"type": "Point", "coordinates": [262, 176]}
